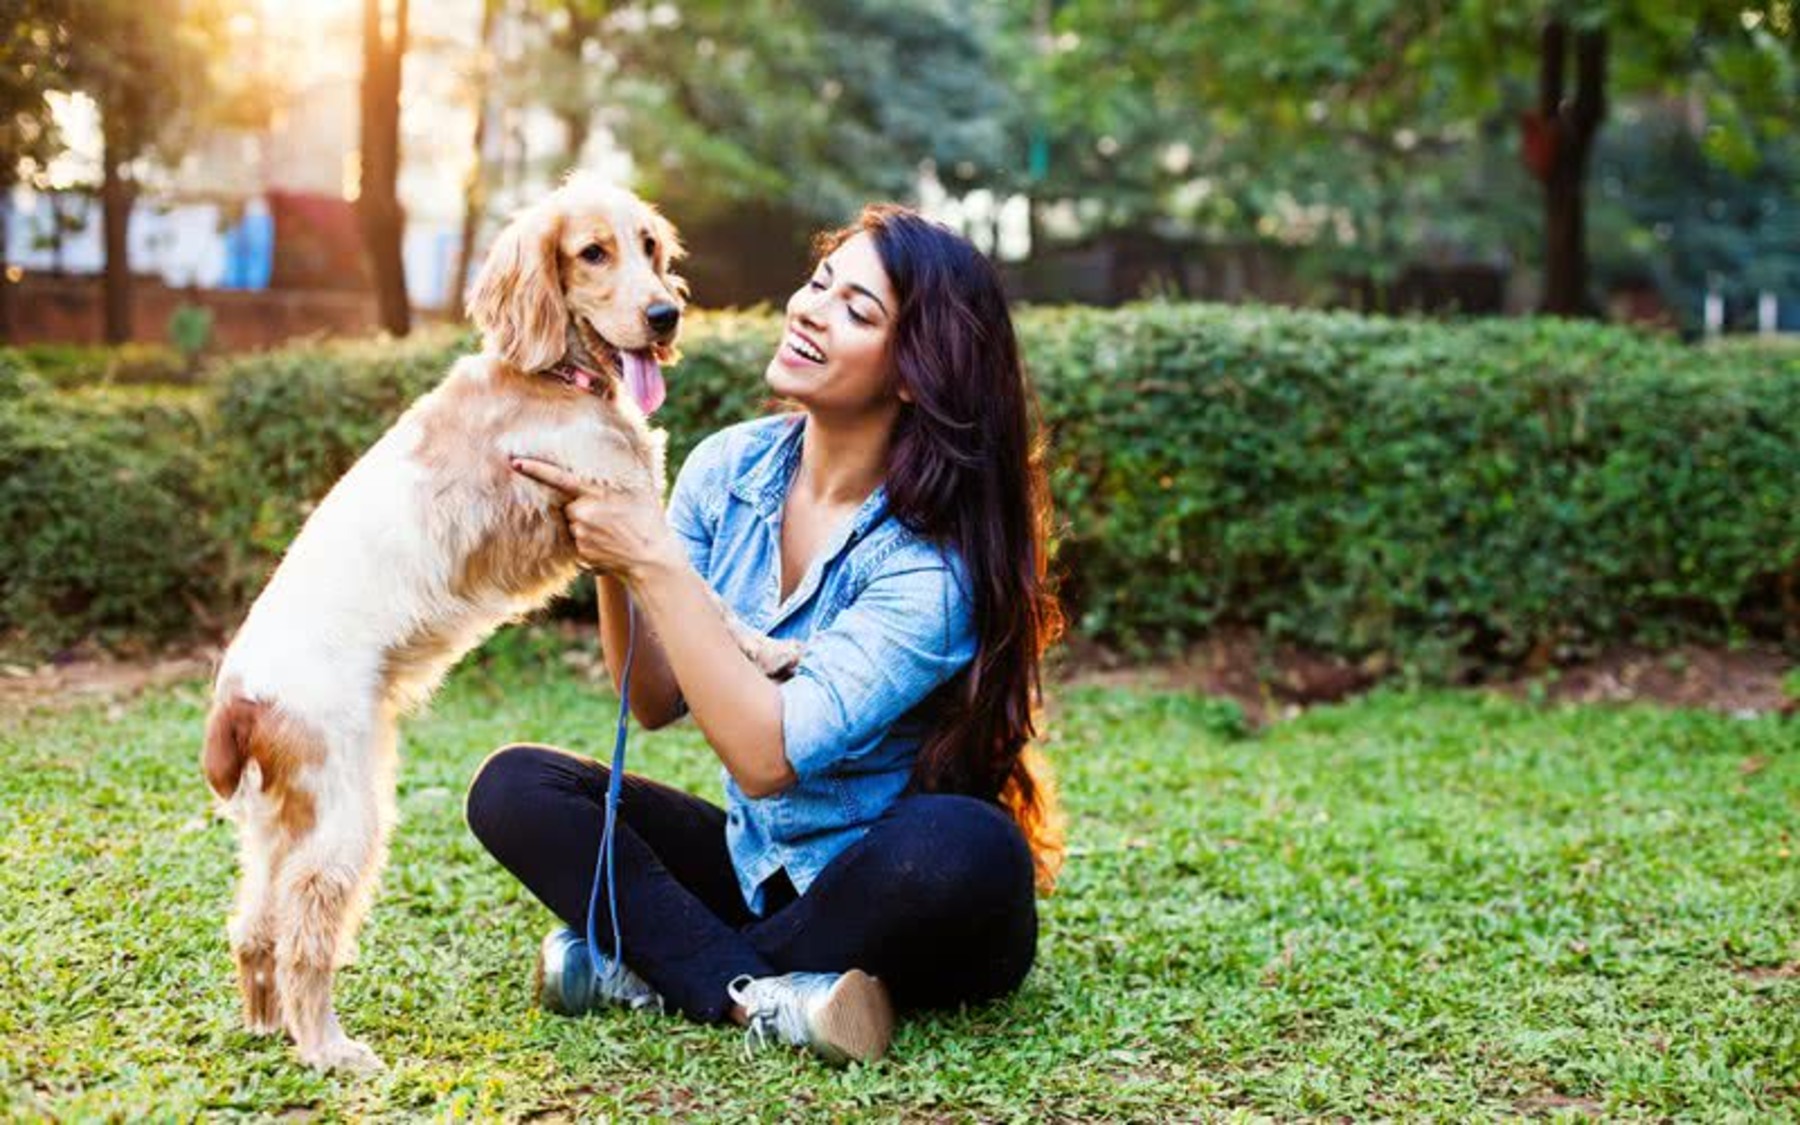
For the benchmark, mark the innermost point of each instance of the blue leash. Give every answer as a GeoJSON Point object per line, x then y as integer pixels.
{"type": "Point", "coordinates": [603, 863]}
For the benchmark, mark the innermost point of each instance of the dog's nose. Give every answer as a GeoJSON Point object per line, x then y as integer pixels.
{"type": "Point", "coordinates": [663, 318]}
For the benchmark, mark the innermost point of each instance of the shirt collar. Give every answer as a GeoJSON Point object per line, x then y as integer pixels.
{"type": "Point", "coordinates": [764, 485]}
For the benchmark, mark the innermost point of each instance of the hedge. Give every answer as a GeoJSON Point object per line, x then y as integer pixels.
{"type": "Point", "coordinates": [1441, 497]}
{"type": "Point", "coordinates": [104, 527]}
{"type": "Point", "coordinates": [1446, 496]}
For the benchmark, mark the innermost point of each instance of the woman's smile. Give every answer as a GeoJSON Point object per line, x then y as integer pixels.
{"type": "Point", "coordinates": [799, 351]}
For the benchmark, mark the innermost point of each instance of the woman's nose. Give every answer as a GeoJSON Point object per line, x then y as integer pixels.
{"type": "Point", "coordinates": [807, 306]}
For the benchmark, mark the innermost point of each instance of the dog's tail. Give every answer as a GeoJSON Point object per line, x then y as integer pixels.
{"type": "Point", "coordinates": [229, 731]}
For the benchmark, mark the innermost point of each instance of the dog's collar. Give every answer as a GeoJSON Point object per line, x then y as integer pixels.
{"type": "Point", "coordinates": [579, 377]}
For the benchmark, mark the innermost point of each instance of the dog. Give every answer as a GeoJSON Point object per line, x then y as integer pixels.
{"type": "Point", "coordinates": [427, 545]}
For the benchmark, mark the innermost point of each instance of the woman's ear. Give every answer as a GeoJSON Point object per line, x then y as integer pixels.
{"type": "Point", "coordinates": [517, 299]}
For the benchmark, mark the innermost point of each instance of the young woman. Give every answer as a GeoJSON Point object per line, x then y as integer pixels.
{"type": "Point", "coordinates": [885, 820]}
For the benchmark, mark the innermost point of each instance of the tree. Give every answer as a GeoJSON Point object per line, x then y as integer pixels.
{"type": "Point", "coordinates": [1689, 226]}
{"type": "Point", "coordinates": [32, 54]}
{"type": "Point", "coordinates": [814, 108]}
{"type": "Point", "coordinates": [145, 64]}
{"type": "Point", "coordinates": [475, 181]}
{"type": "Point", "coordinates": [378, 200]}
{"type": "Point", "coordinates": [1385, 89]}
{"type": "Point", "coordinates": [566, 77]}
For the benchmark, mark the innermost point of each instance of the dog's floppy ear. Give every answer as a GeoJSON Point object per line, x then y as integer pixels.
{"type": "Point", "coordinates": [517, 299]}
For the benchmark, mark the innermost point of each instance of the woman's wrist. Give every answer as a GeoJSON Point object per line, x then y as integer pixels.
{"type": "Point", "coordinates": [664, 557]}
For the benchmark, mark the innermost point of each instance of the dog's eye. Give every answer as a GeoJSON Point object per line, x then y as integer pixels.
{"type": "Point", "coordinates": [649, 247]}
{"type": "Point", "coordinates": [593, 253]}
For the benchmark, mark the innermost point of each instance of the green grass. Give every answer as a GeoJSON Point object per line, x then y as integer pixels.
{"type": "Point", "coordinates": [1414, 904]}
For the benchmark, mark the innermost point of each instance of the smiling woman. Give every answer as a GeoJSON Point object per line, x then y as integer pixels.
{"type": "Point", "coordinates": [883, 825]}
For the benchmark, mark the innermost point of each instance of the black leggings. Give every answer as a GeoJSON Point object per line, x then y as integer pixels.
{"type": "Point", "coordinates": [936, 899]}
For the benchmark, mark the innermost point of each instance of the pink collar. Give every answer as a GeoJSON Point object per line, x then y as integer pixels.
{"type": "Point", "coordinates": [574, 375]}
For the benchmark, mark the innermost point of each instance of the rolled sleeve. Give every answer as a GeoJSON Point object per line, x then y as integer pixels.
{"type": "Point", "coordinates": [906, 633]}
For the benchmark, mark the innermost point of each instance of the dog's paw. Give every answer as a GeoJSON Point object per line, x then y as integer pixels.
{"type": "Point", "coordinates": [342, 1053]}
{"type": "Point", "coordinates": [777, 659]}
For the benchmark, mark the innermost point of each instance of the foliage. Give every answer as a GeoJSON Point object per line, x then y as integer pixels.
{"type": "Point", "coordinates": [1443, 498]}
{"type": "Point", "coordinates": [1365, 130]}
{"type": "Point", "coordinates": [1496, 490]}
{"type": "Point", "coordinates": [1694, 226]}
{"type": "Point", "coordinates": [191, 331]}
{"type": "Point", "coordinates": [1427, 494]}
{"type": "Point", "coordinates": [102, 516]}
{"type": "Point", "coordinates": [17, 378]}
{"type": "Point", "coordinates": [1415, 906]}
{"type": "Point", "coordinates": [812, 109]}
{"type": "Point", "coordinates": [72, 366]}
{"type": "Point", "coordinates": [30, 52]}
{"type": "Point", "coordinates": [157, 69]}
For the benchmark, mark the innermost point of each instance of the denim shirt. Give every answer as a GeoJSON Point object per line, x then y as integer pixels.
{"type": "Point", "coordinates": [885, 617]}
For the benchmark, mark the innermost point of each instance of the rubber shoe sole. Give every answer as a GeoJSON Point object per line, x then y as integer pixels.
{"type": "Point", "coordinates": [855, 1023]}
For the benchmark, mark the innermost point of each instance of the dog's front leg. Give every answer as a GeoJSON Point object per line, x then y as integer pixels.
{"type": "Point", "coordinates": [773, 658]}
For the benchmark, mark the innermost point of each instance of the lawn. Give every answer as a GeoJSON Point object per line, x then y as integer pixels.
{"type": "Point", "coordinates": [1443, 904]}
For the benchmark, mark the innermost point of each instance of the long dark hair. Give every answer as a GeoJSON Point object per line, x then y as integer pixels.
{"type": "Point", "coordinates": [965, 470]}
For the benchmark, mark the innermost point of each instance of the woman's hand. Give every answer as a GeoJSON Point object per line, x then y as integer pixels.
{"type": "Point", "coordinates": [616, 528]}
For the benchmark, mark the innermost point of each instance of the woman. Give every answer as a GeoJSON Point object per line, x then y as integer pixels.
{"type": "Point", "coordinates": [884, 823]}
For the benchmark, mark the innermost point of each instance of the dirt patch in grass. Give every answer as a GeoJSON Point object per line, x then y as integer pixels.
{"type": "Point", "coordinates": [1734, 681]}
{"type": "Point", "coordinates": [1550, 1104]}
{"type": "Point", "coordinates": [1270, 681]}
{"type": "Point", "coordinates": [88, 678]}
{"type": "Point", "coordinates": [1789, 971]}
{"type": "Point", "coordinates": [1274, 681]}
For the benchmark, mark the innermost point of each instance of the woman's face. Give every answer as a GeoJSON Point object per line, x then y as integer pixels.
{"type": "Point", "coordinates": [834, 348]}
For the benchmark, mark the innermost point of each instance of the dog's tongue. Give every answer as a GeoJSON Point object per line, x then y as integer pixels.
{"type": "Point", "coordinates": [643, 377]}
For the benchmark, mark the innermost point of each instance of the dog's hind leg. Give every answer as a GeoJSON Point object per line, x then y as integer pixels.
{"type": "Point", "coordinates": [252, 931]}
{"type": "Point", "coordinates": [322, 887]}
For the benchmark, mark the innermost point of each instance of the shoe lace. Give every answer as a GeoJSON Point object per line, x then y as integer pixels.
{"type": "Point", "coordinates": [620, 985]}
{"type": "Point", "coordinates": [771, 1010]}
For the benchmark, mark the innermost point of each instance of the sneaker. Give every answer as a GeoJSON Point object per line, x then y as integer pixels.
{"type": "Point", "coordinates": [841, 1017]}
{"type": "Point", "coordinates": [567, 985]}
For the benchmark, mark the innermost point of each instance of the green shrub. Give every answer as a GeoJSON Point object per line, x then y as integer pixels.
{"type": "Point", "coordinates": [1502, 490]}
{"type": "Point", "coordinates": [191, 332]}
{"type": "Point", "coordinates": [17, 379]}
{"type": "Point", "coordinates": [1443, 497]}
{"type": "Point", "coordinates": [102, 517]}
{"type": "Point", "coordinates": [73, 366]}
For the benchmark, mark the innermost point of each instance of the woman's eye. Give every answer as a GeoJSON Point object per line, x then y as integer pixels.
{"type": "Point", "coordinates": [856, 316]}
{"type": "Point", "coordinates": [594, 253]}
{"type": "Point", "coordinates": [815, 284]}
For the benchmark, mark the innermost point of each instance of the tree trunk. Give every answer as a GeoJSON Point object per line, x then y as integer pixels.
{"type": "Point", "coordinates": [475, 183]}
{"type": "Point", "coordinates": [576, 126]}
{"type": "Point", "coordinates": [378, 204]}
{"type": "Point", "coordinates": [115, 219]}
{"type": "Point", "coordinates": [6, 322]}
{"type": "Point", "coordinates": [1558, 152]}
{"type": "Point", "coordinates": [581, 24]}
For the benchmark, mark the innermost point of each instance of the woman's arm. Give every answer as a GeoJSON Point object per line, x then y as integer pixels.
{"type": "Point", "coordinates": [690, 653]}
{"type": "Point", "coordinates": [737, 708]}
{"type": "Point", "coordinates": [655, 693]}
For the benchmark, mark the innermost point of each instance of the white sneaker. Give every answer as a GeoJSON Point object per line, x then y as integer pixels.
{"type": "Point", "coordinates": [566, 983]}
{"type": "Point", "coordinates": [841, 1017]}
